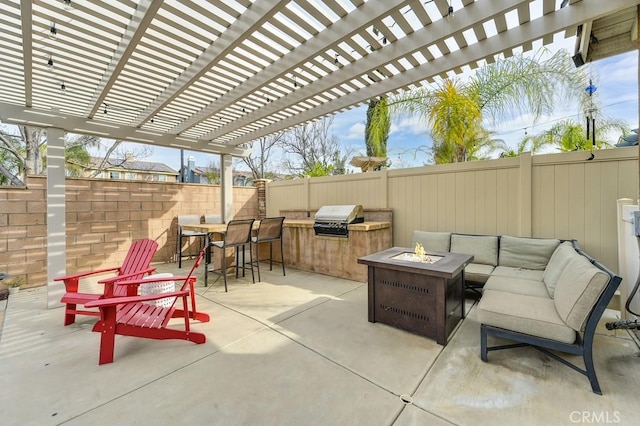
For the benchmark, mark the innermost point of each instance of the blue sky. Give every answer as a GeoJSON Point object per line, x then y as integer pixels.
{"type": "Point", "coordinates": [615, 77]}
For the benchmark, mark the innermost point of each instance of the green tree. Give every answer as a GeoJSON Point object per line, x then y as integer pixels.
{"type": "Point", "coordinates": [312, 149]}
{"type": "Point", "coordinates": [376, 137]}
{"type": "Point", "coordinates": [76, 153]}
{"type": "Point", "coordinates": [528, 144]}
{"type": "Point", "coordinates": [457, 111]}
{"type": "Point", "coordinates": [569, 135]}
{"type": "Point", "coordinates": [318, 169]}
{"type": "Point", "coordinates": [10, 166]}
{"type": "Point", "coordinates": [258, 161]}
{"type": "Point", "coordinates": [212, 173]}
{"type": "Point", "coordinates": [22, 152]}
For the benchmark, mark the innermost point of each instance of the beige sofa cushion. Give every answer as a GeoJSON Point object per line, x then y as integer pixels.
{"type": "Point", "coordinates": [527, 274]}
{"type": "Point", "coordinates": [577, 291]}
{"type": "Point", "coordinates": [477, 273]}
{"type": "Point", "coordinates": [532, 315]}
{"type": "Point", "coordinates": [526, 253]}
{"type": "Point", "coordinates": [434, 241]}
{"type": "Point", "coordinates": [516, 286]}
{"type": "Point", "coordinates": [559, 260]}
{"type": "Point", "coordinates": [484, 248]}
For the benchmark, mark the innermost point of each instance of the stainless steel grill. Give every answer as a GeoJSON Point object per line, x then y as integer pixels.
{"type": "Point", "coordinates": [334, 220]}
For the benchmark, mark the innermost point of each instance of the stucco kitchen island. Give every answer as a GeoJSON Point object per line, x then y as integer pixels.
{"type": "Point", "coordinates": [333, 255]}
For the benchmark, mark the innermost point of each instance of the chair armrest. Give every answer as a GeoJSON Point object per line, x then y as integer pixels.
{"type": "Point", "coordinates": [109, 283]}
{"type": "Point", "coordinates": [136, 283]}
{"type": "Point", "coordinates": [85, 274]}
{"type": "Point", "coordinates": [114, 301]}
{"type": "Point", "coordinates": [155, 280]}
{"type": "Point", "coordinates": [72, 282]}
{"type": "Point", "coordinates": [119, 278]}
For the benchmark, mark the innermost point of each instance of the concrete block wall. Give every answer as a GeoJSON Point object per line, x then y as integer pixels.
{"type": "Point", "coordinates": [23, 230]}
{"type": "Point", "coordinates": [103, 217]}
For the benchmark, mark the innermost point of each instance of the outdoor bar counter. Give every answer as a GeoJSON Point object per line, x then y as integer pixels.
{"type": "Point", "coordinates": [333, 255]}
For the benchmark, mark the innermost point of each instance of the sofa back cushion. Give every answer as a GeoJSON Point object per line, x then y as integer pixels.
{"type": "Point", "coordinates": [434, 241]}
{"type": "Point", "coordinates": [484, 248]}
{"type": "Point", "coordinates": [526, 253]}
{"type": "Point", "coordinates": [558, 261]}
{"type": "Point", "coordinates": [577, 291]}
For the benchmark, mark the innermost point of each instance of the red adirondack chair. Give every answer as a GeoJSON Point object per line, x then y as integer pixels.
{"type": "Point", "coordinates": [129, 316]}
{"type": "Point", "coordinates": [135, 265]}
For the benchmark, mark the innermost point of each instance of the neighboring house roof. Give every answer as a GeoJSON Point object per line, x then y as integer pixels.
{"type": "Point", "coordinates": [204, 171]}
{"type": "Point", "coordinates": [630, 140]}
{"type": "Point", "coordinates": [139, 166]}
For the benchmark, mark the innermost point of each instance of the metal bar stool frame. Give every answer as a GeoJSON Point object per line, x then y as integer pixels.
{"type": "Point", "coordinates": [269, 230]}
{"type": "Point", "coordinates": [238, 234]}
{"type": "Point", "coordinates": [188, 220]}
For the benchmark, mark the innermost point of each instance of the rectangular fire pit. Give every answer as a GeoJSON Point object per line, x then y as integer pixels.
{"type": "Point", "coordinates": [424, 297]}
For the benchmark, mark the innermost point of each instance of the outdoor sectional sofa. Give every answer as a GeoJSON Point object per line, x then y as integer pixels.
{"type": "Point", "coordinates": [545, 293]}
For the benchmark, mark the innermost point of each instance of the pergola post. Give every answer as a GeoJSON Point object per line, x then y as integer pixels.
{"type": "Point", "coordinates": [226, 165]}
{"type": "Point", "coordinates": [56, 211]}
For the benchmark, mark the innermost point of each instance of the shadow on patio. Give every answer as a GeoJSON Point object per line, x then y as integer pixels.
{"type": "Point", "coordinates": [296, 350]}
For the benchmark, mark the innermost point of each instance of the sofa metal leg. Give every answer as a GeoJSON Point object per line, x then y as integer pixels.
{"type": "Point", "coordinates": [483, 343]}
{"type": "Point", "coordinates": [589, 367]}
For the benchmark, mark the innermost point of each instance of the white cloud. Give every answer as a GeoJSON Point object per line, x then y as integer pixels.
{"type": "Point", "coordinates": [409, 125]}
{"type": "Point", "coordinates": [620, 69]}
{"type": "Point", "coordinates": [356, 131]}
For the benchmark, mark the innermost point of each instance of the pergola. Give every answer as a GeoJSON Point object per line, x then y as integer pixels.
{"type": "Point", "coordinates": [213, 76]}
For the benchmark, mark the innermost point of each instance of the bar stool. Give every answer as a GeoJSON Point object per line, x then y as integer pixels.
{"type": "Point", "coordinates": [238, 234]}
{"type": "Point", "coordinates": [269, 230]}
{"type": "Point", "coordinates": [192, 219]}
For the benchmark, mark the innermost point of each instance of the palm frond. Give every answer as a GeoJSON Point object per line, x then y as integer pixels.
{"type": "Point", "coordinates": [520, 84]}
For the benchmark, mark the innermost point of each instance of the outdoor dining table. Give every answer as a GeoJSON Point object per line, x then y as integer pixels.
{"type": "Point", "coordinates": [213, 232]}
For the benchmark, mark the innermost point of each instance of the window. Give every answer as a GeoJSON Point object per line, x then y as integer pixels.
{"type": "Point", "coordinates": [114, 175]}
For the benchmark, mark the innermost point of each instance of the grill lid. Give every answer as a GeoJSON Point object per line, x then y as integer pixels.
{"type": "Point", "coordinates": [342, 213]}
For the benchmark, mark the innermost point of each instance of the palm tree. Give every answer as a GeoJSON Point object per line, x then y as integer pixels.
{"type": "Point", "coordinates": [76, 153]}
{"type": "Point", "coordinates": [529, 143]}
{"type": "Point", "coordinates": [376, 137]}
{"type": "Point", "coordinates": [457, 111]}
{"type": "Point", "coordinates": [571, 136]}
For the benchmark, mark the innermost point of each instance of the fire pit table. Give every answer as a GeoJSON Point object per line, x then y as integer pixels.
{"type": "Point", "coordinates": [424, 296]}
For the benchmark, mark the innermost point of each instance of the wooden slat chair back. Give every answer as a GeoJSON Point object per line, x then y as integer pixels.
{"type": "Point", "coordinates": [129, 316]}
{"type": "Point", "coordinates": [134, 266]}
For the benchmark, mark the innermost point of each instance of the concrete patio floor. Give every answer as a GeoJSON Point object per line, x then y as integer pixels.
{"type": "Point", "coordinates": [295, 350]}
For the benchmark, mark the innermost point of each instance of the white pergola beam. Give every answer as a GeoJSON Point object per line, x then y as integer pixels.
{"type": "Point", "coordinates": [21, 116]}
{"type": "Point", "coordinates": [144, 14]}
{"type": "Point", "coordinates": [586, 10]}
{"type": "Point", "coordinates": [437, 32]}
{"type": "Point", "coordinates": [349, 25]}
{"type": "Point", "coordinates": [26, 16]}
{"type": "Point", "coordinates": [256, 15]}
